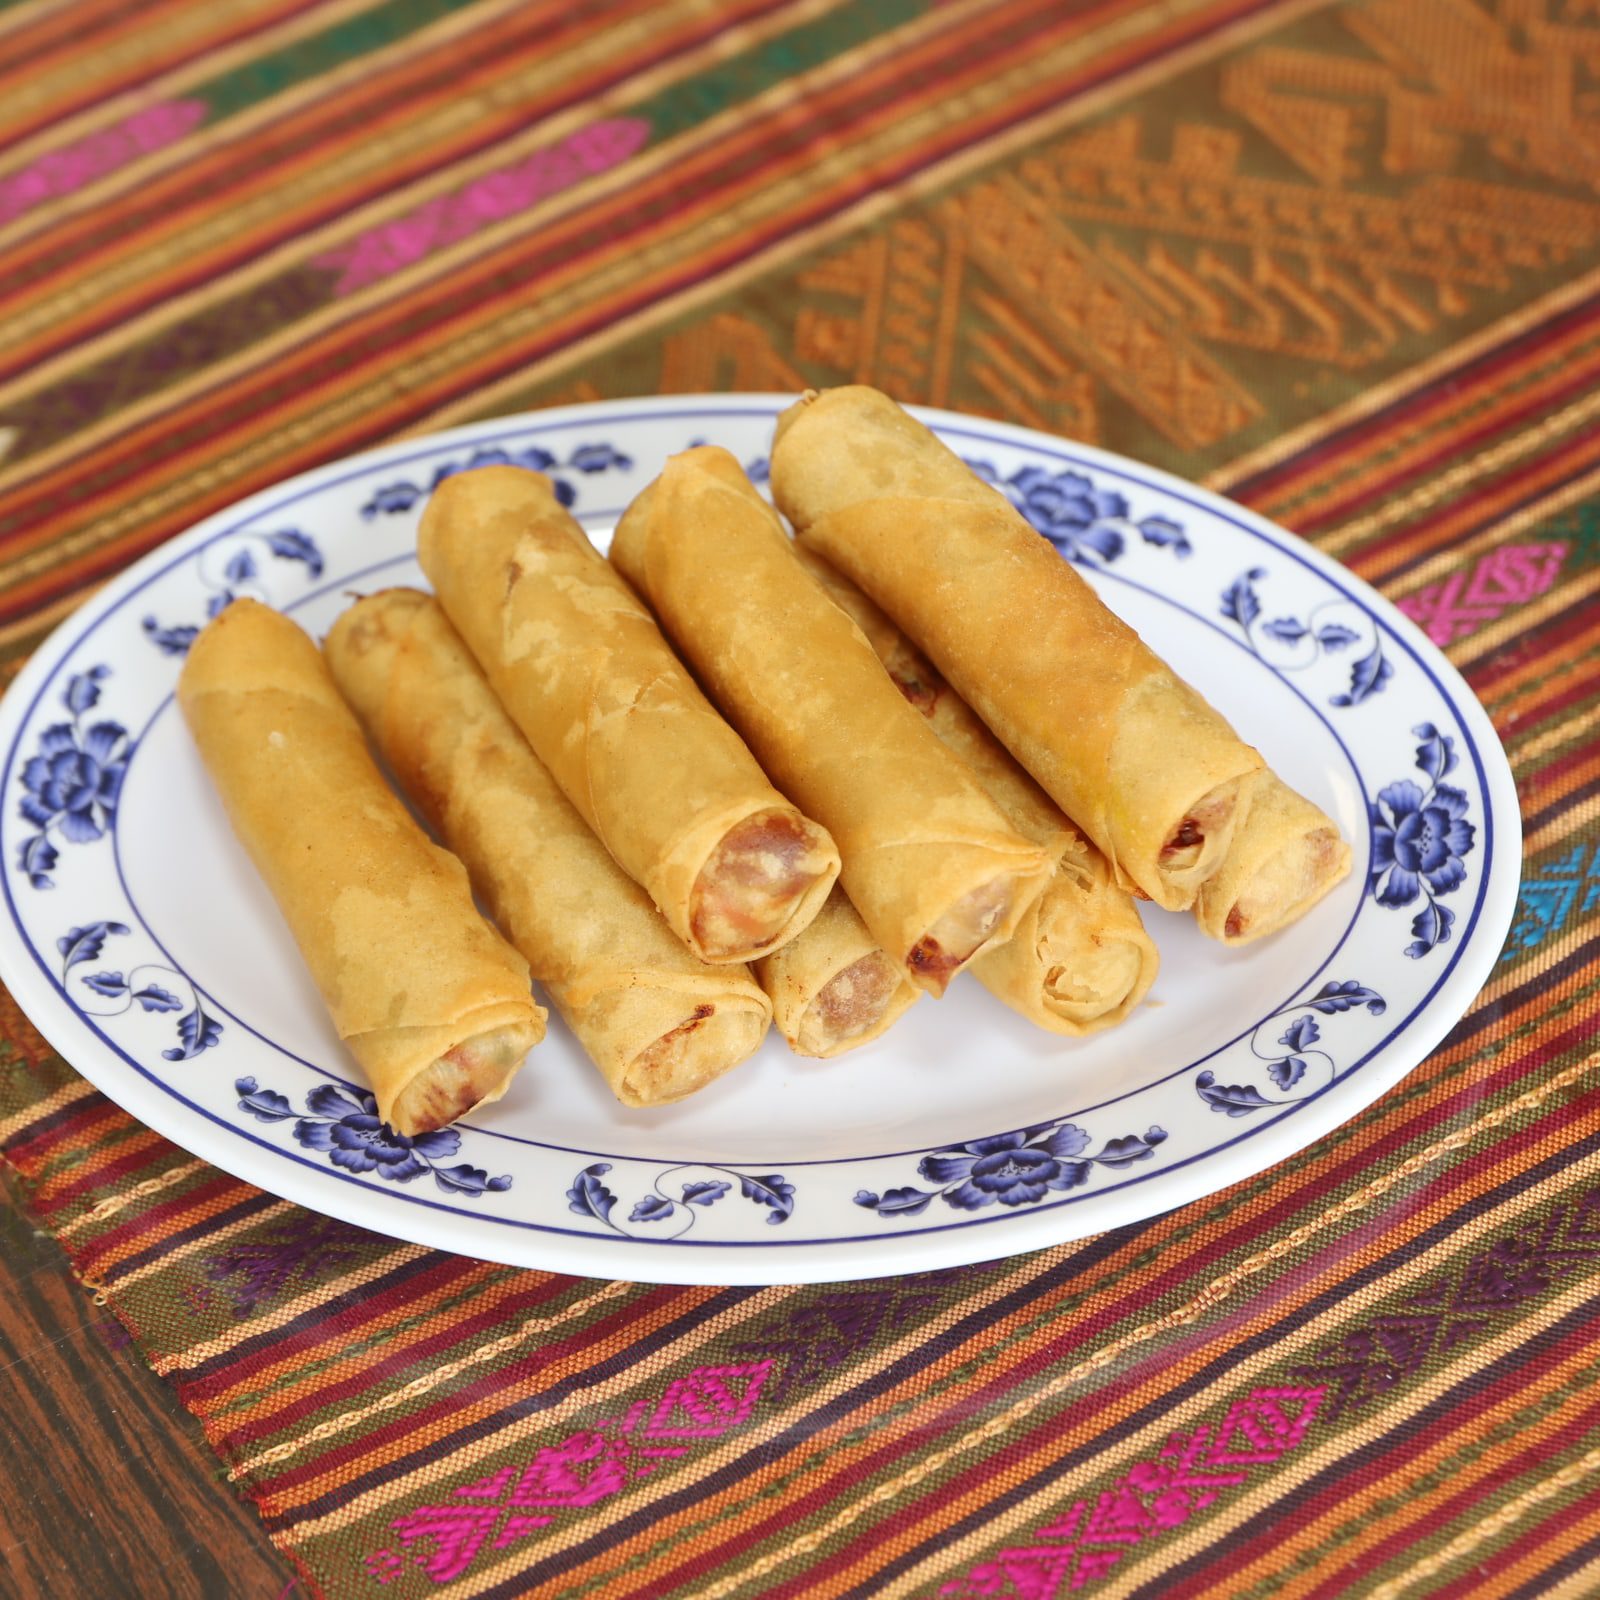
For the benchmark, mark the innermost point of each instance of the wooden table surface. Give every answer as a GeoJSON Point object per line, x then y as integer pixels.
{"type": "Point", "coordinates": [107, 1483]}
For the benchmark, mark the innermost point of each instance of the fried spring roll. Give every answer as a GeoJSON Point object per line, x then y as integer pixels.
{"type": "Point", "coordinates": [1287, 855]}
{"type": "Point", "coordinates": [1080, 959]}
{"type": "Point", "coordinates": [930, 861]}
{"type": "Point", "coordinates": [1153, 775]}
{"type": "Point", "coordinates": [429, 999]}
{"type": "Point", "coordinates": [833, 987]}
{"type": "Point", "coordinates": [657, 1021]}
{"type": "Point", "coordinates": [666, 784]}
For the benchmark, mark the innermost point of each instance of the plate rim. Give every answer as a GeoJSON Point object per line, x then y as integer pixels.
{"type": "Point", "coordinates": [803, 1260]}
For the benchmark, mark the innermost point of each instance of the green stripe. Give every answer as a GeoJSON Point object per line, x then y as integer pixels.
{"type": "Point", "coordinates": [357, 36]}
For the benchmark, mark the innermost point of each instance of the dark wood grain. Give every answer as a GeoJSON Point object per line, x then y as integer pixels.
{"type": "Point", "coordinates": [106, 1483]}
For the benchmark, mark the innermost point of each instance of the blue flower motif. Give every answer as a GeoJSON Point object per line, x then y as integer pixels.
{"type": "Point", "coordinates": [75, 779]}
{"type": "Point", "coordinates": [1418, 836]}
{"type": "Point", "coordinates": [1008, 1168]}
{"type": "Point", "coordinates": [362, 1142]}
{"type": "Point", "coordinates": [1070, 512]}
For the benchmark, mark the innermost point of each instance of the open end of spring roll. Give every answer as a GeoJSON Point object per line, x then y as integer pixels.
{"type": "Point", "coordinates": [667, 786]}
{"type": "Point", "coordinates": [833, 988]}
{"type": "Point", "coordinates": [656, 1021]}
{"type": "Point", "coordinates": [1080, 959]}
{"type": "Point", "coordinates": [930, 862]}
{"type": "Point", "coordinates": [1130, 752]}
{"type": "Point", "coordinates": [1283, 860]}
{"type": "Point", "coordinates": [428, 998]}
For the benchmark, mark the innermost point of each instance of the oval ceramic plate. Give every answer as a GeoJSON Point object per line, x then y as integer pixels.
{"type": "Point", "coordinates": [138, 939]}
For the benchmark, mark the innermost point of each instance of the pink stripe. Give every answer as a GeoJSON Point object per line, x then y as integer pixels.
{"type": "Point", "coordinates": [447, 218]}
{"type": "Point", "coordinates": [60, 172]}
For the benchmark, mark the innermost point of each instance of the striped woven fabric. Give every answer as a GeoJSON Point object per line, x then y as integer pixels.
{"type": "Point", "coordinates": [1338, 258]}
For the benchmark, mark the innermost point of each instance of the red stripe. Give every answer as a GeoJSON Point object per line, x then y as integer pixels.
{"type": "Point", "coordinates": [34, 1145]}
{"type": "Point", "coordinates": [1547, 639]}
{"type": "Point", "coordinates": [392, 1360]}
{"type": "Point", "coordinates": [156, 1218]}
{"type": "Point", "coordinates": [51, 1198]}
{"type": "Point", "coordinates": [514, 1378]}
{"type": "Point", "coordinates": [1552, 772]}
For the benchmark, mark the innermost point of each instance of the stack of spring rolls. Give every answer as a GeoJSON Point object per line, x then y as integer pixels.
{"type": "Point", "coordinates": [914, 742]}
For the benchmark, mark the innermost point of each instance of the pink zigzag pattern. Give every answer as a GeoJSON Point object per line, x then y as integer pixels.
{"type": "Point", "coordinates": [380, 252]}
{"type": "Point", "coordinates": [586, 1467]}
{"type": "Point", "coordinates": [1465, 601]}
{"type": "Point", "coordinates": [61, 172]}
{"type": "Point", "coordinates": [1190, 1471]}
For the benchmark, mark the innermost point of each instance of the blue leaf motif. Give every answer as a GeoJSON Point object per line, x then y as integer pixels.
{"type": "Point", "coordinates": [219, 602]}
{"type": "Point", "coordinates": [1068, 1140]}
{"type": "Point", "coordinates": [1335, 636]}
{"type": "Point", "coordinates": [597, 457]}
{"type": "Point", "coordinates": [170, 641]}
{"type": "Point", "coordinates": [85, 943]}
{"type": "Point", "coordinates": [292, 545]}
{"type": "Point", "coordinates": [588, 1196]}
{"type": "Point", "coordinates": [769, 1190]}
{"type": "Point", "coordinates": [1431, 927]}
{"type": "Point", "coordinates": [1287, 1073]}
{"type": "Point", "coordinates": [390, 498]}
{"type": "Point", "coordinates": [1436, 755]}
{"type": "Point", "coordinates": [241, 567]}
{"type": "Point", "coordinates": [154, 998]}
{"type": "Point", "coordinates": [1346, 996]}
{"type": "Point", "coordinates": [1301, 1034]}
{"type": "Point", "coordinates": [334, 1100]}
{"type": "Point", "coordinates": [1234, 1099]}
{"type": "Point", "coordinates": [265, 1105]}
{"type": "Point", "coordinates": [895, 1202]}
{"type": "Point", "coordinates": [1239, 600]}
{"type": "Point", "coordinates": [705, 1193]}
{"type": "Point", "coordinates": [110, 984]}
{"type": "Point", "coordinates": [82, 692]}
{"type": "Point", "coordinates": [1164, 533]}
{"type": "Point", "coordinates": [653, 1208]}
{"type": "Point", "coordinates": [437, 1145]}
{"type": "Point", "coordinates": [1367, 677]}
{"type": "Point", "coordinates": [37, 856]}
{"type": "Point", "coordinates": [1286, 630]}
{"type": "Point", "coordinates": [462, 1180]}
{"type": "Point", "coordinates": [197, 1031]}
{"type": "Point", "coordinates": [1125, 1151]}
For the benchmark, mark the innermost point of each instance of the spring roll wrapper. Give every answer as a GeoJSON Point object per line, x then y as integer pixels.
{"type": "Point", "coordinates": [383, 917]}
{"type": "Point", "coordinates": [832, 987]}
{"type": "Point", "coordinates": [1284, 858]}
{"type": "Point", "coordinates": [916, 831]}
{"type": "Point", "coordinates": [1127, 749]}
{"type": "Point", "coordinates": [656, 1021]}
{"type": "Point", "coordinates": [583, 671]}
{"type": "Point", "coordinates": [1080, 959]}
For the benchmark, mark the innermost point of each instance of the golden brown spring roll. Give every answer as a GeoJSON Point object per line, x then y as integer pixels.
{"type": "Point", "coordinates": [1284, 858]}
{"type": "Point", "coordinates": [833, 988]}
{"type": "Point", "coordinates": [666, 784]}
{"type": "Point", "coordinates": [657, 1021]}
{"type": "Point", "coordinates": [929, 860]}
{"type": "Point", "coordinates": [1080, 959]}
{"type": "Point", "coordinates": [427, 997]}
{"type": "Point", "coordinates": [1129, 751]}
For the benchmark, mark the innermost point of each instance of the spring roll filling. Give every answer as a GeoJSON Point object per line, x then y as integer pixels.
{"type": "Point", "coordinates": [1201, 837]}
{"type": "Point", "coordinates": [463, 1077]}
{"type": "Point", "coordinates": [753, 883]}
{"type": "Point", "coordinates": [961, 932]}
{"type": "Point", "coordinates": [1092, 984]}
{"type": "Point", "coordinates": [1285, 882]}
{"type": "Point", "coordinates": [849, 1003]}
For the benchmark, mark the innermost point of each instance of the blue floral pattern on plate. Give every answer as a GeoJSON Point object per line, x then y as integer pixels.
{"type": "Point", "coordinates": [589, 1196]}
{"type": "Point", "coordinates": [239, 574]}
{"type": "Point", "coordinates": [588, 459]}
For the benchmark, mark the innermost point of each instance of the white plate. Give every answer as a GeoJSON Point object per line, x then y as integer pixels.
{"type": "Point", "coordinates": [138, 939]}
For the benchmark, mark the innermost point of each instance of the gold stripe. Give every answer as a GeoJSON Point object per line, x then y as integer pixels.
{"type": "Point", "coordinates": [1414, 378]}
{"type": "Point", "coordinates": [1228, 1385]}
{"type": "Point", "coordinates": [113, 1203]}
{"type": "Point", "coordinates": [57, 1100]}
{"type": "Point", "coordinates": [1207, 1298]}
{"type": "Point", "coordinates": [1495, 1523]}
{"type": "Point", "coordinates": [170, 85]}
{"type": "Point", "coordinates": [1580, 722]}
{"type": "Point", "coordinates": [179, 30]}
{"type": "Point", "coordinates": [207, 1241]}
{"type": "Point", "coordinates": [428, 1381]}
{"type": "Point", "coordinates": [1461, 475]}
{"type": "Point", "coordinates": [26, 15]}
{"type": "Point", "coordinates": [322, 1295]}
